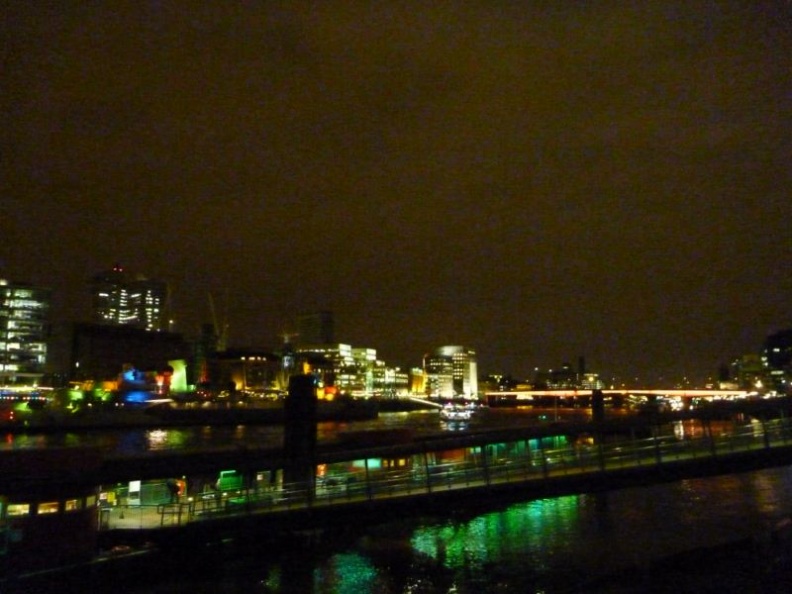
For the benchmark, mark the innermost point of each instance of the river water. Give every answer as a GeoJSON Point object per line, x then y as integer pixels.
{"type": "Point", "coordinates": [138, 440]}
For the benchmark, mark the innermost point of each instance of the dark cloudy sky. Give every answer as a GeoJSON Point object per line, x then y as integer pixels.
{"type": "Point", "coordinates": [538, 180]}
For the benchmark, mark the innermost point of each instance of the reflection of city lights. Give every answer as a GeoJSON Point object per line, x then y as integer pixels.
{"type": "Point", "coordinates": [681, 430]}
{"type": "Point", "coordinates": [156, 438]}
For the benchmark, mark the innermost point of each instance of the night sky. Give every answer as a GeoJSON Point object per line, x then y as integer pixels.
{"type": "Point", "coordinates": [537, 180]}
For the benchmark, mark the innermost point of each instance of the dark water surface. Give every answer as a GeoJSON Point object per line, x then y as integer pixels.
{"type": "Point", "coordinates": [134, 440]}
{"type": "Point", "coordinates": [564, 544]}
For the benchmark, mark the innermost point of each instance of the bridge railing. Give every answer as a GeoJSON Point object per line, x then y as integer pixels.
{"type": "Point", "coordinates": [480, 468]}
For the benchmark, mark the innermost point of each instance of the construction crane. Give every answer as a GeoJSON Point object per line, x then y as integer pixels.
{"type": "Point", "coordinates": [220, 329]}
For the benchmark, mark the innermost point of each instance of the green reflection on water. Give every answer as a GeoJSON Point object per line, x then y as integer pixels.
{"type": "Point", "coordinates": [525, 531]}
{"type": "Point", "coordinates": [349, 573]}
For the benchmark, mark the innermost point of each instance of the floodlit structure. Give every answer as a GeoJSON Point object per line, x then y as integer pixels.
{"type": "Point", "coordinates": [24, 329]}
{"type": "Point", "coordinates": [452, 372]}
{"type": "Point", "coordinates": [355, 371]}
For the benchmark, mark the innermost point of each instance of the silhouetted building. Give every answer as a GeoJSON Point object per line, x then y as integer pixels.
{"type": "Point", "coordinates": [564, 378]}
{"type": "Point", "coordinates": [245, 371]}
{"type": "Point", "coordinates": [749, 371]}
{"type": "Point", "coordinates": [99, 351]}
{"type": "Point", "coordinates": [24, 331]}
{"type": "Point", "coordinates": [122, 298]}
{"type": "Point", "coordinates": [316, 328]}
{"type": "Point", "coordinates": [567, 378]}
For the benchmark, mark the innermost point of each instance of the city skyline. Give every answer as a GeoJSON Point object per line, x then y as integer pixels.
{"type": "Point", "coordinates": [317, 330]}
{"type": "Point", "coordinates": [541, 182]}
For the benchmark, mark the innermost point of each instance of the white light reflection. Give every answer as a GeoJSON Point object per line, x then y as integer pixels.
{"type": "Point", "coordinates": [156, 439]}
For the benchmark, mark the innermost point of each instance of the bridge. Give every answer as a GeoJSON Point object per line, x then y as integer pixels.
{"type": "Point", "coordinates": [528, 396]}
{"type": "Point", "coordinates": [465, 470]}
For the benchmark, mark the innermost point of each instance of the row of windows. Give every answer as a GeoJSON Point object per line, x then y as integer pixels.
{"type": "Point", "coordinates": [25, 314]}
{"type": "Point", "coordinates": [50, 507]}
{"type": "Point", "coordinates": [19, 304]}
{"type": "Point", "coordinates": [30, 345]}
{"type": "Point", "coordinates": [15, 359]}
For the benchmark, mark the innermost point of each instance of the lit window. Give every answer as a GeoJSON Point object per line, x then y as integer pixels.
{"type": "Point", "coordinates": [19, 509]}
{"type": "Point", "coordinates": [50, 507]}
{"type": "Point", "coordinates": [90, 501]}
{"type": "Point", "coordinates": [71, 505]}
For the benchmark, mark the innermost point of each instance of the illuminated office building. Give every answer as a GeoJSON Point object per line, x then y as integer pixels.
{"type": "Point", "coordinates": [452, 372]}
{"type": "Point", "coordinates": [352, 371]}
{"type": "Point", "coordinates": [777, 356]}
{"type": "Point", "coordinates": [342, 368]}
{"type": "Point", "coordinates": [24, 329]}
{"type": "Point", "coordinates": [127, 299]}
{"type": "Point", "coordinates": [439, 373]}
{"type": "Point", "coordinates": [334, 363]}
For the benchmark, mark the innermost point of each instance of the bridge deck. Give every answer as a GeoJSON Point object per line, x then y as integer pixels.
{"type": "Point", "coordinates": [487, 470]}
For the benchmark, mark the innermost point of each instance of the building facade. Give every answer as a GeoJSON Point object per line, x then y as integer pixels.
{"type": "Point", "coordinates": [354, 371]}
{"type": "Point", "coordinates": [452, 372]}
{"type": "Point", "coordinates": [24, 332]}
{"type": "Point", "coordinates": [777, 356]}
{"type": "Point", "coordinates": [123, 298]}
{"type": "Point", "coordinates": [246, 371]}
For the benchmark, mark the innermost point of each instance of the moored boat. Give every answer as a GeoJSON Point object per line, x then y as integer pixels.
{"type": "Point", "coordinates": [455, 412]}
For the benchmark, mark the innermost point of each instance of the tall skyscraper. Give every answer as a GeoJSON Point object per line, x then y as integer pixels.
{"type": "Point", "coordinates": [124, 298]}
{"type": "Point", "coordinates": [24, 329]}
